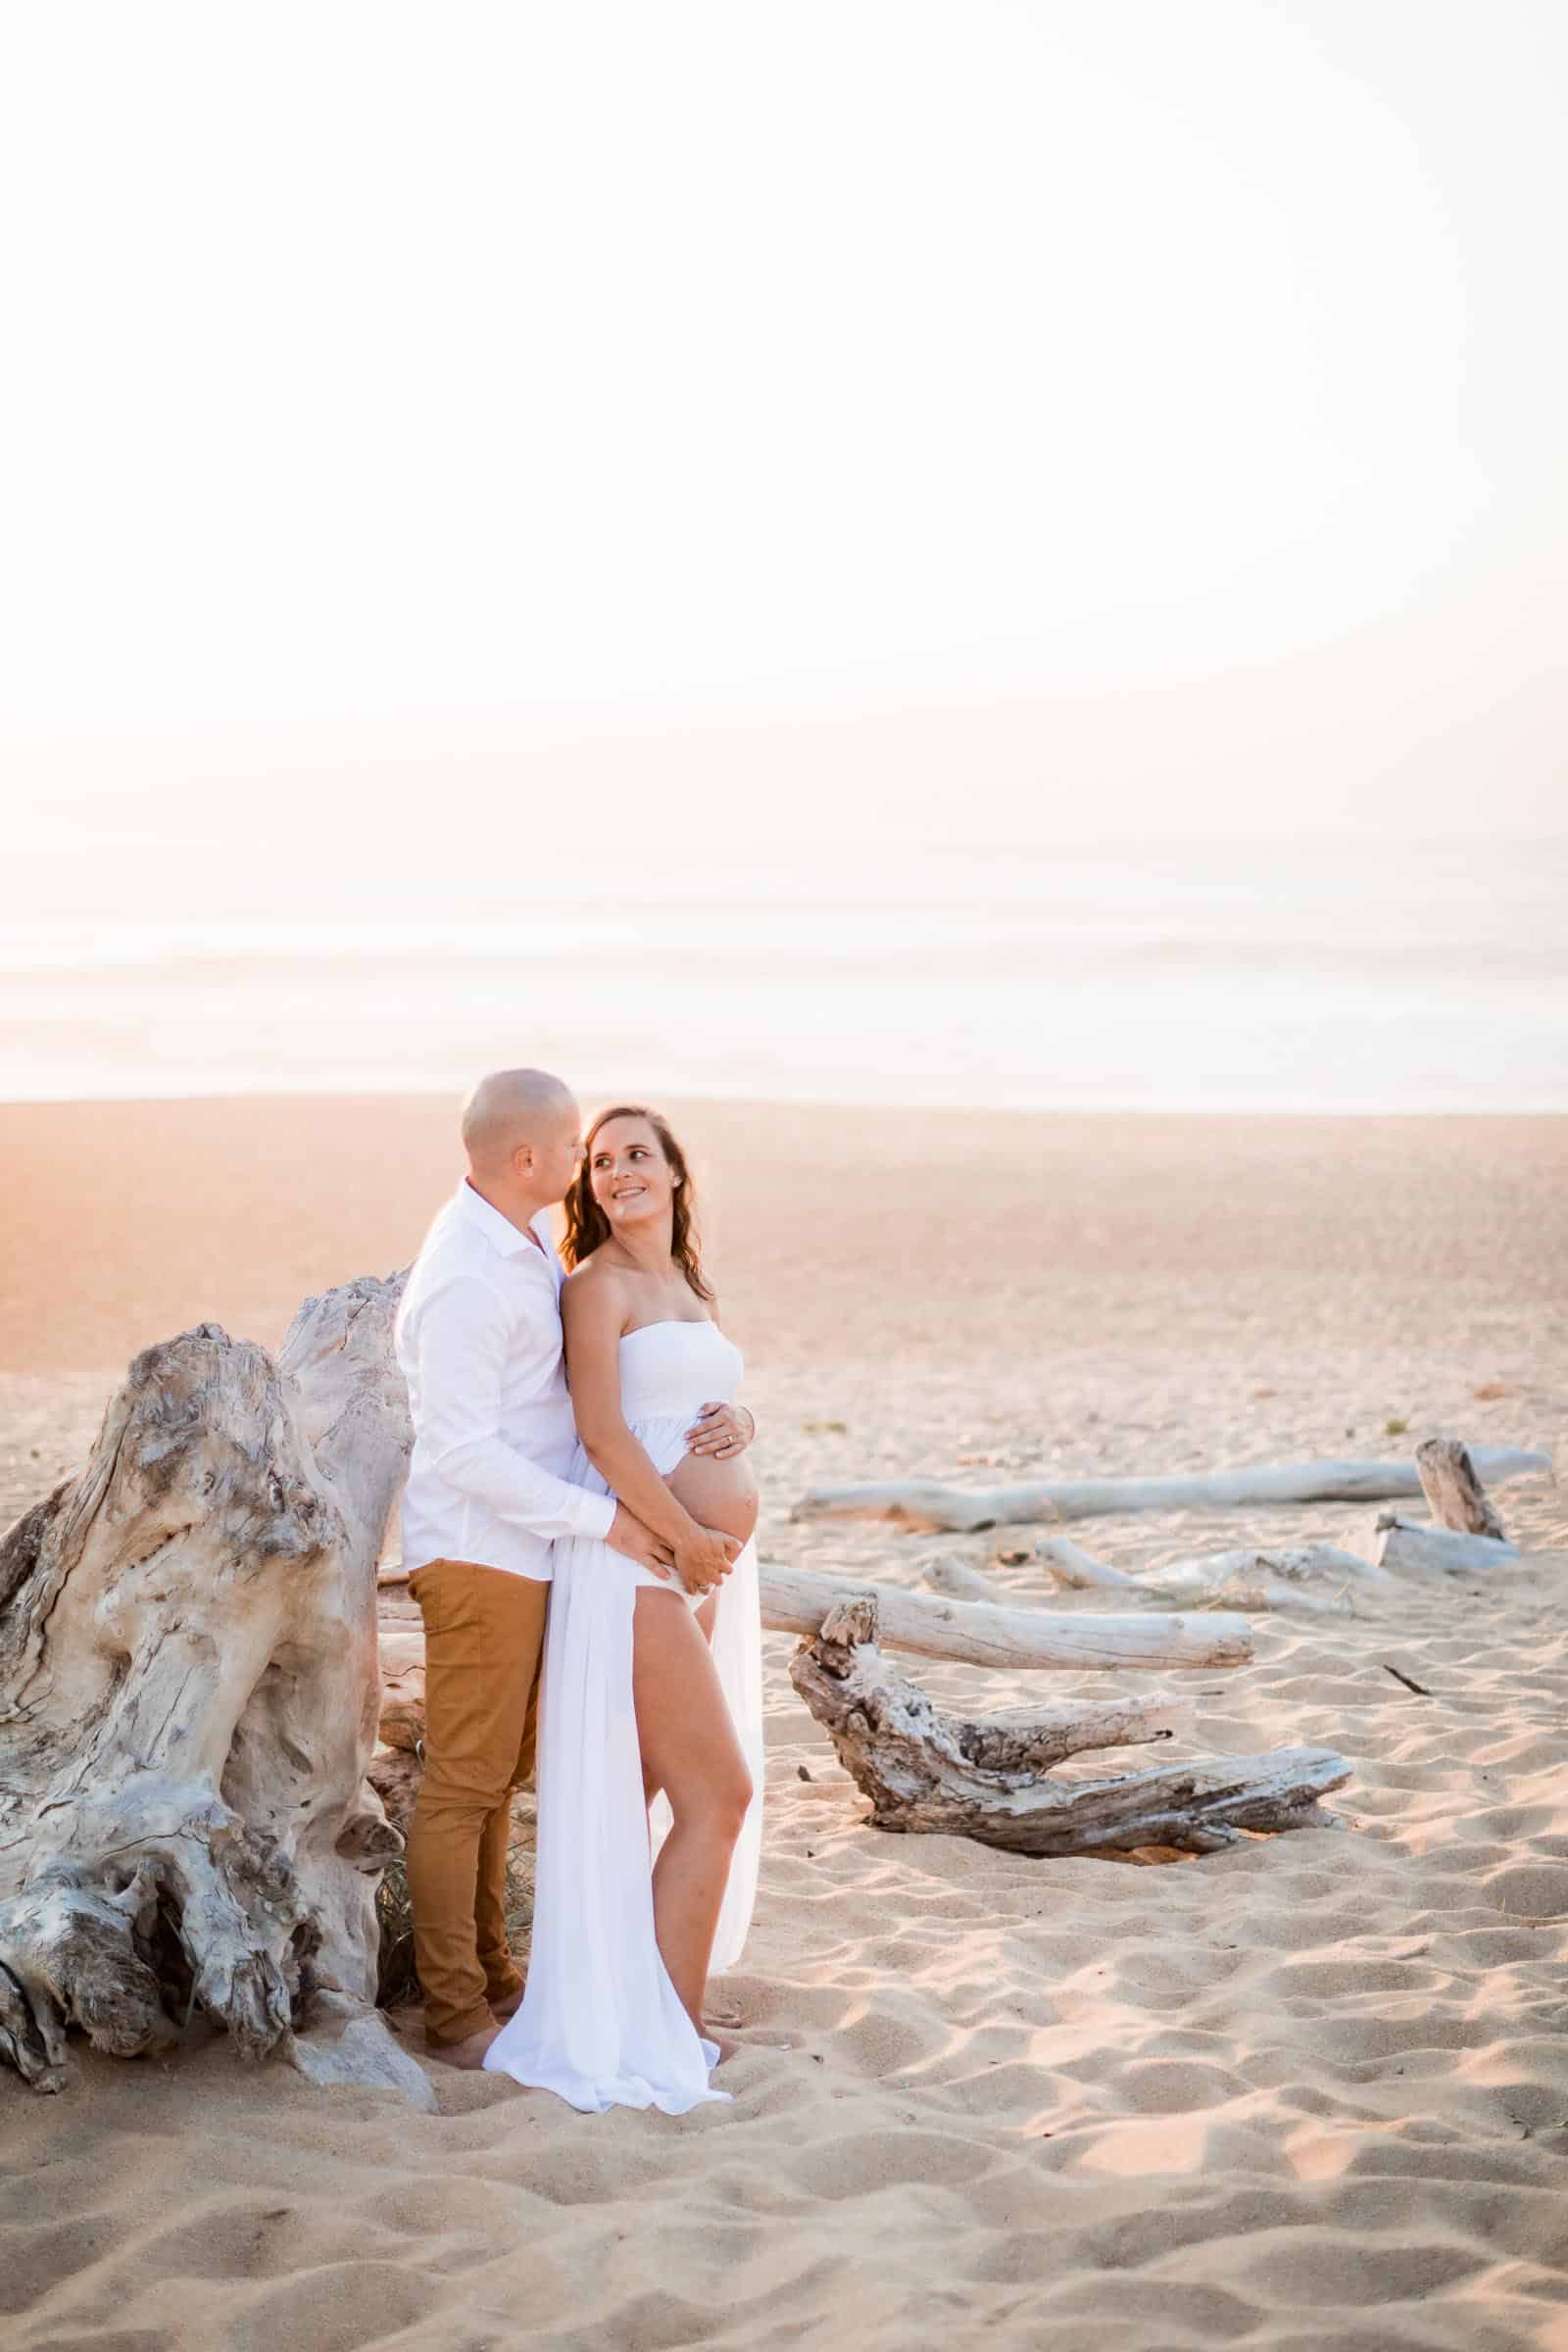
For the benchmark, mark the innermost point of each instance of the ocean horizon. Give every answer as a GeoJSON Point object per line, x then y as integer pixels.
{"type": "Point", "coordinates": [1375, 976]}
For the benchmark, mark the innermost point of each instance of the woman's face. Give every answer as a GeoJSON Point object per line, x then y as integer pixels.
{"type": "Point", "coordinates": [632, 1180]}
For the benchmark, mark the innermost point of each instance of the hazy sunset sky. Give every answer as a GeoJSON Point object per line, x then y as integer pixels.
{"type": "Point", "coordinates": [1078, 418]}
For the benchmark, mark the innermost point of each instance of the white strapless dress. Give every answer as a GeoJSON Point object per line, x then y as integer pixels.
{"type": "Point", "coordinates": [599, 2021]}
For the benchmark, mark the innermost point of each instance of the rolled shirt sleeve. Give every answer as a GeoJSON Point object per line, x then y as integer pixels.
{"type": "Point", "coordinates": [461, 1341]}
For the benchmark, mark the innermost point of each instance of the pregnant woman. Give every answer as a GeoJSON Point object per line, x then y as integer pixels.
{"type": "Point", "coordinates": [652, 1707]}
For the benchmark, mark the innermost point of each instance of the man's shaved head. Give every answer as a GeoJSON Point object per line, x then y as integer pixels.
{"type": "Point", "coordinates": [512, 1108]}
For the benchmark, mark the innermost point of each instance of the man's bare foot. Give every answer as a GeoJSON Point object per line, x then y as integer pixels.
{"type": "Point", "coordinates": [468, 2053]}
{"type": "Point", "coordinates": [507, 2007]}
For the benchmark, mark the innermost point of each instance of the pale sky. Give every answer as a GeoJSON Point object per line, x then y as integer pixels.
{"type": "Point", "coordinates": [1077, 417]}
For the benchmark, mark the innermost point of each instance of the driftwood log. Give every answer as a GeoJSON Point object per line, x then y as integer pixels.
{"type": "Point", "coordinates": [990, 1778]}
{"type": "Point", "coordinates": [1074, 1568]}
{"type": "Point", "coordinates": [925, 1502]}
{"type": "Point", "coordinates": [1455, 1493]}
{"type": "Point", "coordinates": [960, 1579]}
{"type": "Point", "coordinates": [189, 1701]}
{"type": "Point", "coordinates": [1312, 1579]}
{"type": "Point", "coordinates": [974, 1632]}
{"type": "Point", "coordinates": [1402, 1544]}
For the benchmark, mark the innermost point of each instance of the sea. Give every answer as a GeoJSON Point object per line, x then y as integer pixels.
{"type": "Point", "coordinates": [1328, 976]}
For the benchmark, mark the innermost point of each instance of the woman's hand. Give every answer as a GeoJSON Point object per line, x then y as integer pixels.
{"type": "Point", "coordinates": [721, 1431]}
{"type": "Point", "coordinates": [707, 1559]}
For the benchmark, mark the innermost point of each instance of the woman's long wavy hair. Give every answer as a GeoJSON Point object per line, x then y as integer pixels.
{"type": "Point", "coordinates": [587, 1224]}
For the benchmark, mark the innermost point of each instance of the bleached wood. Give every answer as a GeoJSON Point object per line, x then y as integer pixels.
{"type": "Point", "coordinates": [1312, 1579]}
{"type": "Point", "coordinates": [1455, 1493]}
{"type": "Point", "coordinates": [402, 1721]}
{"type": "Point", "coordinates": [925, 1502]}
{"type": "Point", "coordinates": [796, 1601]}
{"type": "Point", "coordinates": [1405, 1547]}
{"type": "Point", "coordinates": [189, 1701]}
{"type": "Point", "coordinates": [958, 1580]}
{"type": "Point", "coordinates": [402, 1647]}
{"type": "Point", "coordinates": [395, 1774]}
{"type": "Point", "coordinates": [1078, 1572]}
{"type": "Point", "coordinates": [990, 1778]}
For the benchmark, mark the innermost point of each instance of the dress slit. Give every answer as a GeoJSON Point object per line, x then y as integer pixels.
{"type": "Point", "coordinates": [600, 2022]}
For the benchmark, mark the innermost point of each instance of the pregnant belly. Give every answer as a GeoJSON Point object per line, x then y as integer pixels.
{"type": "Point", "coordinates": [721, 1495]}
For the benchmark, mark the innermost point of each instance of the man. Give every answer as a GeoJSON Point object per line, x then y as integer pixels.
{"type": "Point", "coordinates": [479, 1342]}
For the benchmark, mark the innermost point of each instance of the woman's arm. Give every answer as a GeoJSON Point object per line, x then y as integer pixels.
{"type": "Point", "coordinates": [591, 1314]}
{"type": "Point", "coordinates": [721, 1430]}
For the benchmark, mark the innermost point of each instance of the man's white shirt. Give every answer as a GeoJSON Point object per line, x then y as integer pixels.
{"type": "Point", "coordinates": [478, 1342]}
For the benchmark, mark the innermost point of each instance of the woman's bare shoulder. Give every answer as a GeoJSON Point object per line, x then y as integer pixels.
{"type": "Point", "coordinates": [595, 1288]}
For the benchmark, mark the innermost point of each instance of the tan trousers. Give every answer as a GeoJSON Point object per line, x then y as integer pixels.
{"type": "Point", "coordinates": [483, 1639]}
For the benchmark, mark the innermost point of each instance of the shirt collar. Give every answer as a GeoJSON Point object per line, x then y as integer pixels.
{"type": "Point", "coordinates": [499, 1231]}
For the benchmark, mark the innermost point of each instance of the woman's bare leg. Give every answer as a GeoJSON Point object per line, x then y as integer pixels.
{"type": "Point", "coordinates": [689, 1751]}
{"type": "Point", "coordinates": [706, 1617]}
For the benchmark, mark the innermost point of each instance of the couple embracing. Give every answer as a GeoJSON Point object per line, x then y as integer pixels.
{"type": "Point", "coordinates": [578, 1524]}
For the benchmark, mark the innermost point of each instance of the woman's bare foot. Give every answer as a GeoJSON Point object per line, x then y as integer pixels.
{"type": "Point", "coordinates": [468, 2053]}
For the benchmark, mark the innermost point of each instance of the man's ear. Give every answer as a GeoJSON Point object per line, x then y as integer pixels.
{"type": "Point", "coordinates": [522, 1160]}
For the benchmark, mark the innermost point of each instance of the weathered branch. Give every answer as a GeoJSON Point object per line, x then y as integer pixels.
{"type": "Point", "coordinates": [925, 1502]}
{"type": "Point", "coordinates": [958, 1580]}
{"type": "Point", "coordinates": [1078, 1572]}
{"type": "Point", "coordinates": [989, 1780]}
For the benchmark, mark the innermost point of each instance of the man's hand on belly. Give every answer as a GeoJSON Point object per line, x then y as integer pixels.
{"type": "Point", "coordinates": [721, 1431]}
{"type": "Point", "coordinates": [628, 1535]}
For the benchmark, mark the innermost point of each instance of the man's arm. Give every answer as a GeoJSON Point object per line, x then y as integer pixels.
{"type": "Point", "coordinates": [461, 1341]}
{"type": "Point", "coordinates": [591, 1314]}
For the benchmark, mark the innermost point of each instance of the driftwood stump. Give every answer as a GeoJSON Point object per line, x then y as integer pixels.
{"type": "Point", "coordinates": [188, 1702]}
{"type": "Point", "coordinates": [1456, 1496]}
{"type": "Point", "coordinates": [990, 1778]}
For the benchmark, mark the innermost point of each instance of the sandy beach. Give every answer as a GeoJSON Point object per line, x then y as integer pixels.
{"type": "Point", "coordinates": [1311, 2091]}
